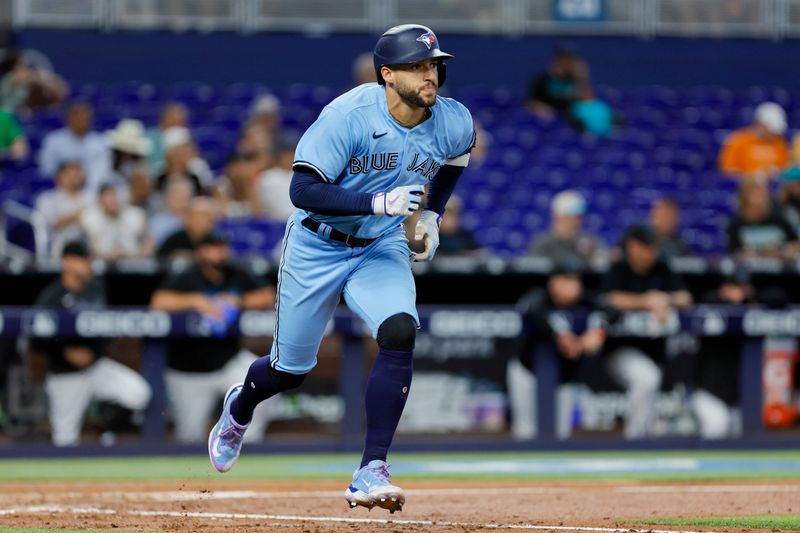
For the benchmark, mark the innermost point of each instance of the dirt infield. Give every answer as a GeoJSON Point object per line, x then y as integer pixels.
{"type": "Point", "coordinates": [431, 506]}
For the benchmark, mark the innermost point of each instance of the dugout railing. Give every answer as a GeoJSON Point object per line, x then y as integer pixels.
{"type": "Point", "coordinates": [751, 325]}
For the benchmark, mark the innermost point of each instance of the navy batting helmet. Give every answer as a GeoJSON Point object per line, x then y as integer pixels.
{"type": "Point", "coordinates": [406, 44]}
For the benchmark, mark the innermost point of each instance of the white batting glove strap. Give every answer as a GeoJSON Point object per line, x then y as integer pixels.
{"type": "Point", "coordinates": [427, 228]}
{"type": "Point", "coordinates": [400, 201]}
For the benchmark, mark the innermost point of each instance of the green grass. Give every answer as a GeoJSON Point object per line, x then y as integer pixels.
{"type": "Point", "coordinates": [774, 522]}
{"type": "Point", "coordinates": [274, 467]}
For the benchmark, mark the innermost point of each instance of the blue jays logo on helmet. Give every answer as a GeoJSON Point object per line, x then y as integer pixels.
{"type": "Point", "coordinates": [427, 39]}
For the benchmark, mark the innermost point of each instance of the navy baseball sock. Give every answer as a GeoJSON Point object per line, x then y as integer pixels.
{"type": "Point", "coordinates": [261, 383]}
{"type": "Point", "coordinates": [387, 391]}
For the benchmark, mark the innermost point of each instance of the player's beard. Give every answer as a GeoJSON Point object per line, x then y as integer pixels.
{"type": "Point", "coordinates": [413, 97]}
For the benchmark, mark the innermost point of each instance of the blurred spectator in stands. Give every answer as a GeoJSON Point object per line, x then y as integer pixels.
{"type": "Point", "coordinates": [759, 151]}
{"type": "Point", "coordinates": [641, 282]}
{"type": "Point", "coordinates": [116, 230]}
{"type": "Point", "coordinates": [265, 112]}
{"type": "Point", "coordinates": [665, 219]}
{"type": "Point", "coordinates": [129, 148]}
{"type": "Point", "coordinates": [169, 220]}
{"type": "Point", "coordinates": [77, 372]}
{"type": "Point", "coordinates": [173, 114]}
{"type": "Point", "coordinates": [718, 16]}
{"type": "Point", "coordinates": [566, 241]}
{"type": "Point", "coordinates": [483, 141]}
{"type": "Point", "coordinates": [236, 188]}
{"type": "Point", "coordinates": [13, 143]}
{"type": "Point", "coordinates": [273, 185]}
{"type": "Point", "coordinates": [564, 291]}
{"type": "Point", "coordinates": [454, 240]}
{"type": "Point", "coordinates": [24, 85]}
{"type": "Point", "coordinates": [364, 69]}
{"type": "Point", "coordinates": [181, 162]}
{"type": "Point", "coordinates": [789, 197]}
{"type": "Point", "coordinates": [758, 229]}
{"type": "Point", "coordinates": [200, 218]}
{"type": "Point", "coordinates": [63, 206]}
{"type": "Point", "coordinates": [140, 189]}
{"type": "Point", "coordinates": [201, 370]}
{"type": "Point", "coordinates": [77, 142]}
{"type": "Point", "coordinates": [564, 88]}
{"type": "Point", "coordinates": [257, 147]}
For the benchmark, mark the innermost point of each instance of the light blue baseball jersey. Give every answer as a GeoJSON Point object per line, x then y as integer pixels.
{"type": "Point", "coordinates": [356, 144]}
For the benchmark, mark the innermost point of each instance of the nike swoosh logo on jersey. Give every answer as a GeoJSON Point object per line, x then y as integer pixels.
{"type": "Point", "coordinates": [376, 135]}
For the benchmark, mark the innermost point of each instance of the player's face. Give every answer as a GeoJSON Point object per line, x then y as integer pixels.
{"type": "Point", "coordinates": [76, 272]}
{"type": "Point", "coordinates": [417, 83]}
{"type": "Point", "coordinates": [565, 289]}
{"type": "Point", "coordinates": [214, 255]}
{"type": "Point", "coordinates": [641, 256]}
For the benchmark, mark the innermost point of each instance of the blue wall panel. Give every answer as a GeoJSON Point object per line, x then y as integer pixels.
{"type": "Point", "coordinates": [276, 58]}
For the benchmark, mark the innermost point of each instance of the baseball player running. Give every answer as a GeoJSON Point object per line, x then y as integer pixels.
{"type": "Point", "coordinates": [359, 170]}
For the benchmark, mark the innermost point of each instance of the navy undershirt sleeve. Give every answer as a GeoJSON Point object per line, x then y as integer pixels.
{"type": "Point", "coordinates": [442, 186]}
{"type": "Point", "coordinates": [310, 192]}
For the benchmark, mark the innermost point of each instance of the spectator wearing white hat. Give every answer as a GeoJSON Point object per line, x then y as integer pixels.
{"type": "Point", "coordinates": [759, 151]}
{"type": "Point", "coordinates": [182, 162]}
{"type": "Point", "coordinates": [129, 148]}
{"type": "Point", "coordinates": [566, 242]}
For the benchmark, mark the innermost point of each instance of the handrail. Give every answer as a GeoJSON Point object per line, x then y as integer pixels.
{"type": "Point", "coordinates": [38, 224]}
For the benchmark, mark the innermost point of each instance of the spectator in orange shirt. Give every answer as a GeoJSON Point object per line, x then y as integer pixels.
{"type": "Point", "coordinates": [759, 151]}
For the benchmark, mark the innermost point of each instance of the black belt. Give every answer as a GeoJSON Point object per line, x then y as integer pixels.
{"type": "Point", "coordinates": [336, 235]}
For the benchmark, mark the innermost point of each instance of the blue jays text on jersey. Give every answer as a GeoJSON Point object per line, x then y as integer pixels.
{"type": "Point", "coordinates": [356, 144]}
{"type": "Point", "coordinates": [388, 161]}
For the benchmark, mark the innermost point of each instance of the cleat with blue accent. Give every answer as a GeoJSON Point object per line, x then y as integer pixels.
{"type": "Point", "coordinates": [225, 439]}
{"type": "Point", "coordinates": [372, 485]}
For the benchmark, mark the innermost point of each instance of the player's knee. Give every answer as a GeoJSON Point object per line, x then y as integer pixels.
{"type": "Point", "coordinates": [398, 332]}
{"type": "Point", "coordinates": [287, 381]}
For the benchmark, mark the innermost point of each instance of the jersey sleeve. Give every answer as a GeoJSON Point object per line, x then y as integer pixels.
{"type": "Point", "coordinates": [327, 146]}
{"type": "Point", "coordinates": [463, 138]}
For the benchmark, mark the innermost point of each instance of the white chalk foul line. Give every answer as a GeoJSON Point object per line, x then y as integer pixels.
{"type": "Point", "coordinates": [709, 488]}
{"type": "Point", "coordinates": [251, 494]}
{"type": "Point", "coordinates": [342, 520]}
{"type": "Point", "coordinates": [327, 519]}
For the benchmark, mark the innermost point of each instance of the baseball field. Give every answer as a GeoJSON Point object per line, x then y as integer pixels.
{"type": "Point", "coordinates": [609, 492]}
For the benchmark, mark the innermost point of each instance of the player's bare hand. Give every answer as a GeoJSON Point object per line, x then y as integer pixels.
{"type": "Point", "coordinates": [569, 345]}
{"type": "Point", "coordinates": [427, 230]}
{"type": "Point", "coordinates": [399, 202]}
{"type": "Point", "coordinates": [592, 340]}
